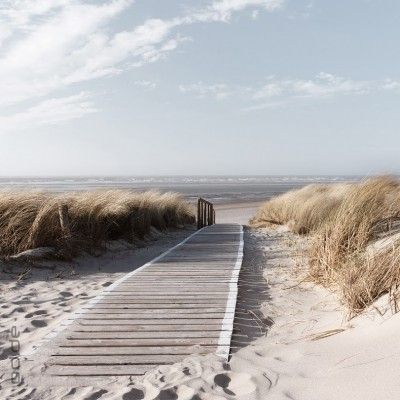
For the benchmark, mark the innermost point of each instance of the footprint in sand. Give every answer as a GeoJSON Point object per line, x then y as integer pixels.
{"type": "Point", "coordinates": [223, 381]}
{"type": "Point", "coordinates": [96, 395]}
{"type": "Point", "coordinates": [70, 393]}
{"type": "Point", "coordinates": [66, 294]}
{"type": "Point", "coordinates": [16, 310]}
{"type": "Point", "coordinates": [39, 323]}
{"type": "Point", "coordinates": [6, 353]}
{"type": "Point", "coordinates": [235, 384]}
{"type": "Point", "coordinates": [133, 394]}
{"type": "Point", "coordinates": [34, 313]}
{"type": "Point", "coordinates": [167, 394]}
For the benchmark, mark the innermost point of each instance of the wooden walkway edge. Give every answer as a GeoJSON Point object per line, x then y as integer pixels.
{"type": "Point", "coordinates": [182, 302]}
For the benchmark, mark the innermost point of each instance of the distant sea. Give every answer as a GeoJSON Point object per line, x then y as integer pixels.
{"type": "Point", "coordinates": [218, 189]}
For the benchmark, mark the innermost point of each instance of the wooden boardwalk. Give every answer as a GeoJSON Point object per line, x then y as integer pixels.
{"type": "Point", "coordinates": [181, 303]}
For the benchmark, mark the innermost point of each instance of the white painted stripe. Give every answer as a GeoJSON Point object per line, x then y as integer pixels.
{"type": "Point", "coordinates": [89, 305]}
{"type": "Point", "coordinates": [227, 323]}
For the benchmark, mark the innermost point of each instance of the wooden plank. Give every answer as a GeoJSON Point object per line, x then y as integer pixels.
{"type": "Point", "coordinates": [150, 316]}
{"type": "Point", "coordinates": [172, 324]}
{"type": "Point", "coordinates": [177, 282]}
{"type": "Point", "coordinates": [142, 321]}
{"type": "Point", "coordinates": [111, 359]}
{"type": "Point", "coordinates": [146, 328]}
{"type": "Point", "coordinates": [165, 296]}
{"type": "Point", "coordinates": [160, 309]}
{"type": "Point", "coordinates": [98, 370]}
{"type": "Point", "coordinates": [139, 342]}
{"type": "Point", "coordinates": [168, 290]}
{"type": "Point", "coordinates": [182, 350]}
{"type": "Point", "coordinates": [144, 335]}
{"type": "Point", "coordinates": [149, 302]}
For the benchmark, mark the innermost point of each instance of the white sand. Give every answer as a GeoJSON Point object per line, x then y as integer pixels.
{"type": "Point", "coordinates": [236, 212]}
{"type": "Point", "coordinates": [311, 351]}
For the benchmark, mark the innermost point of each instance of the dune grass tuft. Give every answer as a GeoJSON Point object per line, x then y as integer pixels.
{"type": "Point", "coordinates": [344, 222]}
{"type": "Point", "coordinates": [31, 219]}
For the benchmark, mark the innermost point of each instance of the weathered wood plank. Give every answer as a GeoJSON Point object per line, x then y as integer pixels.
{"type": "Point", "coordinates": [146, 328]}
{"type": "Point", "coordinates": [150, 316]}
{"type": "Point", "coordinates": [139, 342]}
{"type": "Point", "coordinates": [150, 311]}
{"type": "Point", "coordinates": [143, 335]}
{"type": "Point", "coordinates": [182, 350]}
{"type": "Point", "coordinates": [149, 302]}
{"type": "Point", "coordinates": [98, 370]}
{"type": "Point", "coordinates": [142, 321]}
{"type": "Point", "coordinates": [111, 359]}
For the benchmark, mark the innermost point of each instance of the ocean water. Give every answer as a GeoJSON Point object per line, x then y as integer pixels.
{"type": "Point", "coordinates": [217, 189]}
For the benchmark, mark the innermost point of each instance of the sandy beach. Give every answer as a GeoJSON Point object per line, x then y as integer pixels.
{"type": "Point", "coordinates": [310, 350]}
{"type": "Point", "coordinates": [236, 212]}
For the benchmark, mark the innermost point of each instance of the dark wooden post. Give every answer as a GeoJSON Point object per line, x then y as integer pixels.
{"type": "Point", "coordinates": [198, 214]}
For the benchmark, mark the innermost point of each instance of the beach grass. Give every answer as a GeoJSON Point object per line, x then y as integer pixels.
{"type": "Point", "coordinates": [354, 235]}
{"type": "Point", "coordinates": [31, 219]}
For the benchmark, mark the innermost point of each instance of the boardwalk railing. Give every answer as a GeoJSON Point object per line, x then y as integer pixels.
{"type": "Point", "coordinates": [205, 213]}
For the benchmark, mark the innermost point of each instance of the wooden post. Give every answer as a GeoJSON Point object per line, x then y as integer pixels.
{"type": "Point", "coordinates": [198, 214]}
{"type": "Point", "coordinates": [203, 210]}
{"type": "Point", "coordinates": [64, 219]}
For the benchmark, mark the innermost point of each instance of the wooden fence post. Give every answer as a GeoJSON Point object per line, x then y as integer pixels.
{"type": "Point", "coordinates": [198, 213]}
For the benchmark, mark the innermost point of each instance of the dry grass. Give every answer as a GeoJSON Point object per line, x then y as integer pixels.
{"type": "Point", "coordinates": [343, 221]}
{"type": "Point", "coordinates": [31, 219]}
{"type": "Point", "coordinates": [304, 210]}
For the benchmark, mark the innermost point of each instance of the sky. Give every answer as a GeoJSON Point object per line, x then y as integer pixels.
{"type": "Point", "coordinates": [150, 87]}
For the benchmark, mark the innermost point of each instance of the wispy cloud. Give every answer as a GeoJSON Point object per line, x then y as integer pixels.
{"type": "Point", "coordinates": [219, 91]}
{"type": "Point", "coordinates": [323, 85]}
{"type": "Point", "coordinates": [223, 10]}
{"type": "Point", "coordinates": [279, 92]}
{"type": "Point", "coordinates": [49, 112]}
{"type": "Point", "coordinates": [145, 84]}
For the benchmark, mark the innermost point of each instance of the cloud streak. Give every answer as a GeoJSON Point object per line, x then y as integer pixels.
{"type": "Point", "coordinates": [322, 85]}
{"type": "Point", "coordinates": [279, 92]}
{"type": "Point", "coordinates": [201, 90]}
{"type": "Point", "coordinates": [49, 112]}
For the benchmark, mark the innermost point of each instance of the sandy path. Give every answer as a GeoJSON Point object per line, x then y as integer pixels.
{"type": "Point", "coordinates": [236, 212]}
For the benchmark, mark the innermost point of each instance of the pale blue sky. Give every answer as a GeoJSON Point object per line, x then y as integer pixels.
{"type": "Point", "coordinates": [199, 87]}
